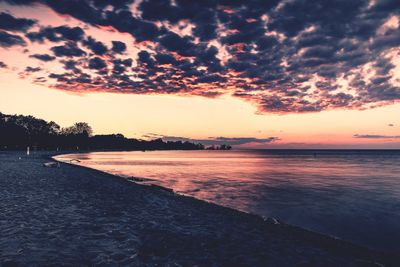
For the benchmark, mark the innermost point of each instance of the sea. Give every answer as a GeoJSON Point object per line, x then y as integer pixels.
{"type": "Point", "coordinates": [352, 195]}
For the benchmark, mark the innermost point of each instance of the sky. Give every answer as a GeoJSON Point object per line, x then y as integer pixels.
{"type": "Point", "coordinates": [260, 74]}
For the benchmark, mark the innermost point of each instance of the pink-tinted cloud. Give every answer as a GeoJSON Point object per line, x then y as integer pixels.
{"type": "Point", "coordinates": [283, 56]}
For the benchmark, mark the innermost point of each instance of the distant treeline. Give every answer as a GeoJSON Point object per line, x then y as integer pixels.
{"type": "Point", "coordinates": [18, 132]}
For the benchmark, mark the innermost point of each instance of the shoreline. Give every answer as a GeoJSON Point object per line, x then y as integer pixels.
{"type": "Point", "coordinates": [290, 244]}
{"type": "Point", "coordinates": [170, 190]}
{"type": "Point", "coordinates": [240, 212]}
{"type": "Point", "coordinates": [272, 220]}
{"type": "Point", "coordinates": [155, 182]}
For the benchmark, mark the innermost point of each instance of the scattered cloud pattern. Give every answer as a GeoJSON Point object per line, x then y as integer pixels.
{"type": "Point", "coordinates": [283, 56]}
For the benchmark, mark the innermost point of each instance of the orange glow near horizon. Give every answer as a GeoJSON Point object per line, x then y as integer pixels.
{"type": "Point", "coordinates": [198, 117]}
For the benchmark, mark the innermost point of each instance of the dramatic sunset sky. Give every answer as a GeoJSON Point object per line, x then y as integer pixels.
{"type": "Point", "coordinates": [267, 73]}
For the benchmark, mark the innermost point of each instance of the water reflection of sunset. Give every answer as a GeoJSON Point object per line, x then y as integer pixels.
{"type": "Point", "coordinates": [327, 191]}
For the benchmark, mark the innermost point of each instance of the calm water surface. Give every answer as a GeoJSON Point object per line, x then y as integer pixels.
{"type": "Point", "coordinates": [353, 195]}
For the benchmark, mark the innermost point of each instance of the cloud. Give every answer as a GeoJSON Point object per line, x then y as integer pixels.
{"type": "Point", "coordinates": [3, 65]}
{"type": "Point", "coordinates": [10, 23]}
{"type": "Point", "coordinates": [32, 69]}
{"type": "Point", "coordinates": [43, 57]}
{"type": "Point", "coordinates": [376, 136]}
{"type": "Point", "coordinates": [70, 49]}
{"type": "Point", "coordinates": [125, 22]}
{"type": "Point", "coordinates": [118, 47]}
{"type": "Point", "coordinates": [96, 47]}
{"type": "Point", "coordinates": [391, 125]}
{"type": "Point", "coordinates": [234, 141]}
{"type": "Point", "coordinates": [175, 43]}
{"type": "Point", "coordinates": [282, 56]}
{"type": "Point", "coordinates": [243, 140]}
{"type": "Point", "coordinates": [56, 34]}
{"type": "Point", "coordinates": [96, 63]}
{"type": "Point", "coordinates": [21, 2]}
{"type": "Point", "coordinates": [210, 78]}
{"type": "Point", "coordinates": [120, 66]}
{"type": "Point", "coordinates": [8, 40]}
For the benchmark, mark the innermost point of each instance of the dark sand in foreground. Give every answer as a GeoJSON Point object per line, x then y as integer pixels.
{"type": "Point", "coordinates": [77, 216]}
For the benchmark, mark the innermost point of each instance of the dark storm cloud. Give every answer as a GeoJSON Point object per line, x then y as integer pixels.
{"type": "Point", "coordinates": [97, 63]}
{"type": "Point", "coordinates": [20, 2]}
{"type": "Point", "coordinates": [69, 49]}
{"type": "Point", "coordinates": [120, 66]}
{"type": "Point", "coordinates": [72, 66]}
{"type": "Point", "coordinates": [295, 16]}
{"type": "Point", "coordinates": [125, 21]}
{"type": "Point", "coordinates": [162, 58]}
{"type": "Point", "coordinates": [160, 10]}
{"type": "Point", "coordinates": [175, 43]}
{"type": "Point", "coordinates": [43, 57]}
{"type": "Point", "coordinates": [210, 79]}
{"type": "Point", "coordinates": [56, 34]}
{"type": "Point", "coordinates": [3, 65]}
{"type": "Point", "coordinates": [376, 136]}
{"type": "Point", "coordinates": [81, 10]}
{"type": "Point", "coordinates": [283, 56]}
{"type": "Point", "coordinates": [144, 56]}
{"type": "Point", "coordinates": [97, 47]}
{"type": "Point", "coordinates": [32, 69]}
{"type": "Point", "coordinates": [10, 23]}
{"type": "Point", "coordinates": [8, 39]}
{"type": "Point", "coordinates": [118, 47]}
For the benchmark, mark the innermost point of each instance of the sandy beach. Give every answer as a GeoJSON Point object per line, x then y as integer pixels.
{"type": "Point", "coordinates": [74, 216]}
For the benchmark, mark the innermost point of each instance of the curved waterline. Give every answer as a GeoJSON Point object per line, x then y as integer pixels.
{"type": "Point", "coordinates": [346, 194]}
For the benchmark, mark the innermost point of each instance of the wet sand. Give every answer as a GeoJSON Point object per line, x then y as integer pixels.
{"type": "Point", "coordinates": [74, 216]}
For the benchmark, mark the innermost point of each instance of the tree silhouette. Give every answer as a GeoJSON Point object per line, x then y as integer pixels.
{"type": "Point", "coordinates": [79, 128]}
{"type": "Point", "coordinates": [17, 132]}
